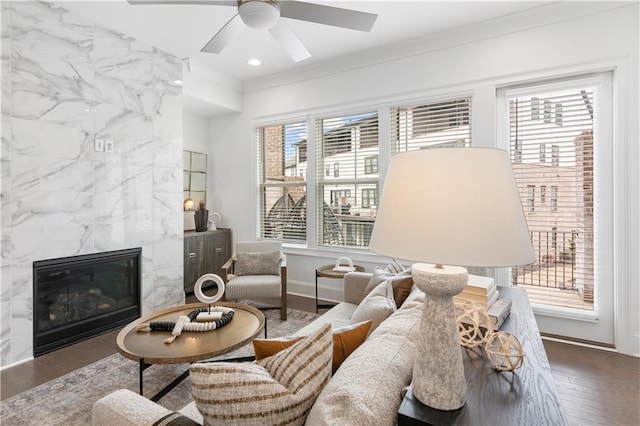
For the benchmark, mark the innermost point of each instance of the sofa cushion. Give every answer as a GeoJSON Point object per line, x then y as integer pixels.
{"type": "Point", "coordinates": [257, 263]}
{"type": "Point", "coordinates": [175, 419]}
{"type": "Point", "coordinates": [367, 389]}
{"type": "Point", "coordinates": [275, 390]}
{"type": "Point", "coordinates": [345, 340]}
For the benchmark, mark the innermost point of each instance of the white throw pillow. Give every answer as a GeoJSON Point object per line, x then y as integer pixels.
{"type": "Point", "coordinates": [376, 306]}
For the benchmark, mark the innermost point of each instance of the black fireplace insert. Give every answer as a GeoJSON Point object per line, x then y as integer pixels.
{"type": "Point", "coordinates": [79, 297]}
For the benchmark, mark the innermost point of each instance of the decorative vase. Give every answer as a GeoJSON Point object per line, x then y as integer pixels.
{"type": "Point", "coordinates": [202, 218]}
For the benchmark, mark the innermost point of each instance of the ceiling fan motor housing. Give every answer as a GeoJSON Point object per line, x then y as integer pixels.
{"type": "Point", "coordinates": [258, 14]}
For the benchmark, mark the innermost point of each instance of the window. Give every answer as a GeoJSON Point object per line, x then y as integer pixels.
{"type": "Point", "coordinates": [282, 181]}
{"type": "Point", "coordinates": [369, 197]}
{"type": "Point", "coordinates": [347, 161]}
{"type": "Point", "coordinates": [543, 153]}
{"type": "Point", "coordinates": [547, 111]}
{"type": "Point", "coordinates": [555, 155]}
{"type": "Point", "coordinates": [558, 112]}
{"type": "Point", "coordinates": [535, 108]}
{"type": "Point", "coordinates": [554, 198]}
{"type": "Point", "coordinates": [340, 196]}
{"type": "Point", "coordinates": [348, 143]}
{"type": "Point", "coordinates": [371, 165]}
{"type": "Point", "coordinates": [438, 124]}
{"type": "Point", "coordinates": [531, 198]}
{"type": "Point", "coordinates": [563, 235]}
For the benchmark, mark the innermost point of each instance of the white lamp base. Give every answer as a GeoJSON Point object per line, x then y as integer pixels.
{"type": "Point", "coordinates": [438, 372]}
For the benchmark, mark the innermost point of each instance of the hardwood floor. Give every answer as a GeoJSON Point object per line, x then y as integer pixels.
{"type": "Point", "coordinates": [597, 387]}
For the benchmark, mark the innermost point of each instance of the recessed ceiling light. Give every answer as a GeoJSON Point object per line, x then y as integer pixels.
{"type": "Point", "coordinates": [254, 62]}
{"type": "Point", "coordinates": [177, 82]}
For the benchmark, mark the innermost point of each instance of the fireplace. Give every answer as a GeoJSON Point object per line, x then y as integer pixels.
{"type": "Point", "coordinates": [79, 297]}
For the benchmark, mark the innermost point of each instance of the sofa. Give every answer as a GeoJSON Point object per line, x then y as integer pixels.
{"type": "Point", "coordinates": [366, 389]}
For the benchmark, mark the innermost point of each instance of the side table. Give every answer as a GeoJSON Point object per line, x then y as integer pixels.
{"type": "Point", "coordinates": [327, 271]}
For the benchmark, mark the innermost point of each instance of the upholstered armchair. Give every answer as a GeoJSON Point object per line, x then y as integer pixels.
{"type": "Point", "coordinates": [257, 269]}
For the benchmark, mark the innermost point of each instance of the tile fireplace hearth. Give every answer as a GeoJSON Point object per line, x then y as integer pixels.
{"type": "Point", "coordinates": [82, 296]}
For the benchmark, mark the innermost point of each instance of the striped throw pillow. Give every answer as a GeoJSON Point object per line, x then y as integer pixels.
{"type": "Point", "coordinates": [276, 390]}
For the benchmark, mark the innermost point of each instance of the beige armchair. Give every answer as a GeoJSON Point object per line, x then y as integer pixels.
{"type": "Point", "coordinates": [257, 269]}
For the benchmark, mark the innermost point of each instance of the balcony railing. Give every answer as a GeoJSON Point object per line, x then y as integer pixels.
{"type": "Point", "coordinates": [355, 230]}
{"type": "Point", "coordinates": [555, 265]}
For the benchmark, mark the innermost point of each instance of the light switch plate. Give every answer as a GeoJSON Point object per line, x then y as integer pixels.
{"type": "Point", "coordinates": [108, 146]}
{"type": "Point", "coordinates": [98, 145]}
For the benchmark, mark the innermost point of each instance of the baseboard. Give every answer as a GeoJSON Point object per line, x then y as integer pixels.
{"type": "Point", "coordinates": [332, 292]}
{"type": "Point", "coordinates": [578, 342]}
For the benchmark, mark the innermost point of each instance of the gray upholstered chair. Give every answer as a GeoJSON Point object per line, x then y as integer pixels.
{"type": "Point", "coordinates": [257, 269]}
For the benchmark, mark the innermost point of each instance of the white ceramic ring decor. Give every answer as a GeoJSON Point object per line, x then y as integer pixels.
{"type": "Point", "coordinates": [197, 288]}
{"type": "Point", "coordinates": [341, 267]}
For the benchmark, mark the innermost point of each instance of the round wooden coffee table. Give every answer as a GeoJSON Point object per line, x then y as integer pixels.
{"type": "Point", "coordinates": [149, 348]}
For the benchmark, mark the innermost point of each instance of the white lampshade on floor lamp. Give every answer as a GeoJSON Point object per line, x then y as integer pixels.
{"type": "Point", "coordinates": [448, 206]}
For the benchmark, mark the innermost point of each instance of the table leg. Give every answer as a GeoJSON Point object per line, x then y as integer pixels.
{"type": "Point", "coordinates": [316, 291]}
{"type": "Point", "coordinates": [143, 366]}
{"type": "Point", "coordinates": [166, 389]}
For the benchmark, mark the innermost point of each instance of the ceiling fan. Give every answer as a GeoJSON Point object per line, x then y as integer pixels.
{"type": "Point", "coordinates": [266, 14]}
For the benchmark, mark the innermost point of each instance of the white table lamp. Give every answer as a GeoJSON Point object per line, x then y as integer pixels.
{"type": "Point", "coordinates": [448, 206]}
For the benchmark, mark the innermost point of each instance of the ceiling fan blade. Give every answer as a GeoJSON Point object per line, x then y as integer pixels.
{"type": "Point", "coordinates": [231, 30]}
{"type": "Point", "coordinates": [334, 16]}
{"type": "Point", "coordinates": [186, 2]}
{"type": "Point", "coordinates": [289, 41]}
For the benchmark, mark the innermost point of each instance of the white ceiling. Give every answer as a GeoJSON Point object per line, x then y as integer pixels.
{"type": "Point", "coordinates": [182, 30]}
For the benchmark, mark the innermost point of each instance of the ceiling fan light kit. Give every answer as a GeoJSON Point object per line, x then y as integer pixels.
{"type": "Point", "coordinates": [259, 15]}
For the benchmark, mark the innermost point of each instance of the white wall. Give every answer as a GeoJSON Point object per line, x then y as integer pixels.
{"type": "Point", "coordinates": [558, 40]}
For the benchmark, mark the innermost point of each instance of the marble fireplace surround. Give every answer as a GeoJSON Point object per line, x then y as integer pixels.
{"type": "Point", "coordinates": [66, 82]}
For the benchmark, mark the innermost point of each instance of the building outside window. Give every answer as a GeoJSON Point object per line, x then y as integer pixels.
{"type": "Point", "coordinates": [555, 155]}
{"type": "Point", "coordinates": [531, 198]}
{"type": "Point", "coordinates": [371, 165]}
{"type": "Point", "coordinates": [369, 197]}
{"type": "Point", "coordinates": [554, 198]}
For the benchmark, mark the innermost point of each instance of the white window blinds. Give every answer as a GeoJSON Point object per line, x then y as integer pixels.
{"type": "Point", "coordinates": [551, 135]}
{"type": "Point", "coordinates": [347, 179]}
{"type": "Point", "coordinates": [436, 124]}
{"type": "Point", "coordinates": [282, 178]}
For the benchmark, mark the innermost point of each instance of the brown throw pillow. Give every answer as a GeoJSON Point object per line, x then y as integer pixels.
{"type": "Point", "coordinates": [345, 340]}
{"type": "Point", "coordinates": [402, 286]}
{"type": "Point", "coordinates": [402, 283]}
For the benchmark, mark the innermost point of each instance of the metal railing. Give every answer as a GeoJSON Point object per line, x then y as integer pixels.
{"type": "Point", "coordinates": [555, 265]}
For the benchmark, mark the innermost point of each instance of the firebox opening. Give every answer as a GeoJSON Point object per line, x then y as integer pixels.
{"type": "Point", "coordinates": [79, 297]}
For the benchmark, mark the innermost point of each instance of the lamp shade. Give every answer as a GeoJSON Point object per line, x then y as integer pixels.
{"type": "Point", "coordinates": [453, 206]}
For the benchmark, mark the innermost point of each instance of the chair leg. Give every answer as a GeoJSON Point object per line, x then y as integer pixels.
{"type": "Point", "coordinates": [283, 298]}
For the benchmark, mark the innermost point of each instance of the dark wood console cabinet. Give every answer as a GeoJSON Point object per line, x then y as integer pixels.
{"type": "Point", "coordinates": [205, 252]}
{"type": "Point", "coordinates": [526, 397]}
